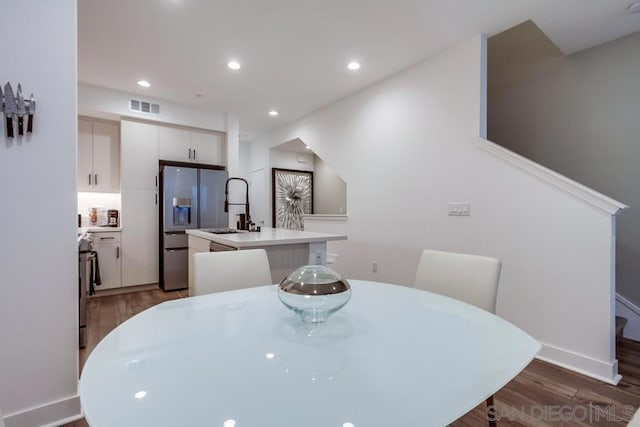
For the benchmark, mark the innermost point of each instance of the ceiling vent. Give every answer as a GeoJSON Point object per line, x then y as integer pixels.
{"type": "Point", "coordinates": [143, 107]}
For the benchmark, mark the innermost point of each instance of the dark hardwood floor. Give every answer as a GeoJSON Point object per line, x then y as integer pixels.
{"type": "Point", "coordinates": [542, 395]}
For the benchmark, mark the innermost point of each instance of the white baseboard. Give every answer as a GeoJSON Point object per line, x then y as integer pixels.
{"type": "Point", "coordinates": [126, 290]}
{"type": "Point", "coordinates": [626, 308]}
{"type": "Point", "coordinates": [585, 365]}
{"type": "Point", "coordinates": [48, 415]}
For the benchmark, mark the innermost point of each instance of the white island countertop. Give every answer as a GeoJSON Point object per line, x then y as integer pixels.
{"type": "Point", "coordinates": [266, 237]}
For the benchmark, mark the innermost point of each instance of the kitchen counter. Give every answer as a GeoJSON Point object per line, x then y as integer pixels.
{"type": "Point", "coordinates": [286, 249]}
{"type": "Point", "coordinates": [266, 237]}
{"type": "Point", "coordinates": [98, 229]}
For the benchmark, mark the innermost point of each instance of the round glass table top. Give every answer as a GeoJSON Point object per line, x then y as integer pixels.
{"type": "Point", "coordinates": [393, 356]}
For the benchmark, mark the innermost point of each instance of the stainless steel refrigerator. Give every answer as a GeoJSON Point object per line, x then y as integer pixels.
{"type": "Point", "coordinates": [191, 198]}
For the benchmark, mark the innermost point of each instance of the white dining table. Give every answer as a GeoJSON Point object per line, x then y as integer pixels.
{"type": "Point", "coordinates": [393, 356]}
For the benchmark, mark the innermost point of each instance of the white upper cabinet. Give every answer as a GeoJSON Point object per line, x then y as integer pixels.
{"type": "Point", "coordinates": [139, 155]}
{"type": "Point", "coordinates": [190, 146]}
{"type": "Point", "coordinates": [98, 156]}
{"type": "Point", "coordinates": [85, 155]}
{"type": "Point", "coordinates": [207, 148]}
{"type": "Point", "coordinates": [174, 144]}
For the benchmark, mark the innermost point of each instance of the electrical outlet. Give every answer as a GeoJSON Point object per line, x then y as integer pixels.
{"type": "Point", "coordinates": [459, 209]}
{"type": "Point", "coordinates": [374, 267]}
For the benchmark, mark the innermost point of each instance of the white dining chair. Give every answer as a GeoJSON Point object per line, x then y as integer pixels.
{"type": "Point", "coordinates": [230, 270]}
{"type": "Point", "coordinates": [468, 278]}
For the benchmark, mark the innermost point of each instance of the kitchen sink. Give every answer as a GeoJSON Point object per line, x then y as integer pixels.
{"type": "Point", "coordinates": [221, 230]}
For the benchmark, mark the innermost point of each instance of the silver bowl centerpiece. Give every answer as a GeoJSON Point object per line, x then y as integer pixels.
{"type": "Point", "coordinates": [314, 292]}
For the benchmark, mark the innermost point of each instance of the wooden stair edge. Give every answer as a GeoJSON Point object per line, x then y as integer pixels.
{"type": "Point", "coordinates": [621, 322]}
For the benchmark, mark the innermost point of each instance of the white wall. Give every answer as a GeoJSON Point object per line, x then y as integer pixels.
{"type": "Point", "coordinates": [581, 117]}
{"type": "Point", "coordinates": [291, 160]}
{"type": "Point", "coordinates": [94, 101]}
{"type": "Point", "coordinates": [38, 258]}
{"type": "Point", "coordinates": [259, 168]}
{"type": "Point", "coordinates": [330, 191]}
{"type": "Point", "coordinates": [408, 146]}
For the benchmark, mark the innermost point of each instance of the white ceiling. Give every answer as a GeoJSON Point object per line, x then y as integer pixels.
{"type": "Point", "coordinates": [294, 52]}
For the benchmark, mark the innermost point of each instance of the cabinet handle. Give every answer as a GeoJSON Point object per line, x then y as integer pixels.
{"type": "Point", "coordinates": [95, 180]}
{"type": "Point", "coordinates": [195, 156]}
{"type": "Point", "coordinates": [189, 153]}
{"type": "Point", "coordinates": [117, 251]}
{"type": "Point", "coordinates": [89, 179]}
{"type": "Point", "coordinates": [156, 198]}
{"type": "Point", "coordinates": [156, 180]}
{"type": "Point", "coordinates": [107, 238]}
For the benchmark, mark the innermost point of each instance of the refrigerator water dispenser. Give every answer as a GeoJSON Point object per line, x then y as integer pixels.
{"type": "Point", "coordinates": [181, 211]}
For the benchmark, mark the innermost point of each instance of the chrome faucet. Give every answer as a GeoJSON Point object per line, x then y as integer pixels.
{"type": "Point", "coordinates": [246, 204]}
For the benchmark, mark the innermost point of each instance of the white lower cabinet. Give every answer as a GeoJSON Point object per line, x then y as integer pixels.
{"type": "Point", "coordinates": [139, 237]}
{"type": "Point", "coordinates": [107, 245]}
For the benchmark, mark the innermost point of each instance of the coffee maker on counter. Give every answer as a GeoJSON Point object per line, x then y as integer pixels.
{"type": "Point", "coordinates": [113, 218]}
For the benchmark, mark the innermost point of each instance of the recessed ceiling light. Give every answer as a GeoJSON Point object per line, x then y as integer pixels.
{"type": "Point", "coordinates": [144, 83]}
{"type": "Point", "coordinates": [635, 8]}
{"type": "Point", "coordinates": [234, 65]}
{"type": "Point", "coordinates": [273, 113]}
{"type": "Point", "coordinates": [353, 65]}
{"type": "Point", "coordinates": [307, 147]}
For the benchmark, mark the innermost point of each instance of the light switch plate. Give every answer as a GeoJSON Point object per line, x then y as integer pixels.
{"type": "Point", "coordinates": [459, 209]}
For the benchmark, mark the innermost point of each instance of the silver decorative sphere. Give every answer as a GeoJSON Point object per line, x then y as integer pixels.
{"type": "Point", "coordinates": [314, 292]}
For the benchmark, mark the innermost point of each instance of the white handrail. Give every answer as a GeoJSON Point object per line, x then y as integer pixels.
{"type": "Point", "coordinates": [570, 186]}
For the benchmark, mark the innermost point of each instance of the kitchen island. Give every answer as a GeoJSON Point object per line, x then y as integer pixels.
{"type": "Point", "coordinates": [286, 249]}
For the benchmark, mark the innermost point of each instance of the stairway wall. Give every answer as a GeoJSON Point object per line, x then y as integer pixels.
{"type": "Point", "coordinates": [580, 116]}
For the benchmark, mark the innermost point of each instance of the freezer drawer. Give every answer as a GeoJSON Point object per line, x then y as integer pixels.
{"type": "Point", "coordinates": [176, 269]}
{"type": "Point", "coordinates": [176, 240]}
